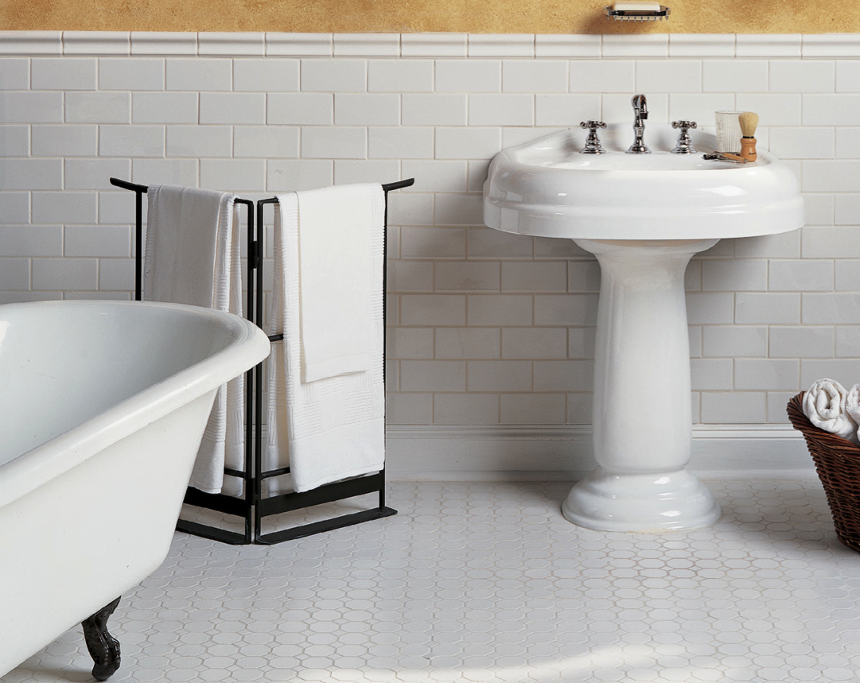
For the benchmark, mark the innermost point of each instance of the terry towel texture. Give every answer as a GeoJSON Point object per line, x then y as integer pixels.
{"type": "Point", "coordinates": [826, 404]}
{"type": "Point", "coordinates": [331, 428]}
{"type": "Point", "coordinates": [192, 256]}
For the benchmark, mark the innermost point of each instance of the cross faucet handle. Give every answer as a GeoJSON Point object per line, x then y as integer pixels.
{"type": "Point", "coordinates": [685, 143]}
{"type": "Point", "coordinates": [592, 143]}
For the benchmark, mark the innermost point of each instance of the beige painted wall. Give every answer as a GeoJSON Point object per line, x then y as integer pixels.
{"type": "Point", "coordinates": [404, 16]}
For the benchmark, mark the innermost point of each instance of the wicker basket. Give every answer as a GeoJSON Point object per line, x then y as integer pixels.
{"type": "Point", "coordinates": [838, 464]}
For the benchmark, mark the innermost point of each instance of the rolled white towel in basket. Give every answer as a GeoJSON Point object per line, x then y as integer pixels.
{"type": "Point", "coordinates": [826, 405]}
{"type": "Point", "coordinates": [192, 256]}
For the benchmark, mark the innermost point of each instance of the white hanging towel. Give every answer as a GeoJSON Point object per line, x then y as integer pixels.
{"type": "Point", "coordinates": [326, 396]}
{"type": "Point", "coordinates": [192, 256]}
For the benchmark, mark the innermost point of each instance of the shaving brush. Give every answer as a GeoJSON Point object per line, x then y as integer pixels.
{"type": "Point", "coordinates": [748, 122]}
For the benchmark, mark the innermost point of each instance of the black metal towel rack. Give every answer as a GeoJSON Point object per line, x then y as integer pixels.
{"type": "Point", "coordinates": [252, 506]}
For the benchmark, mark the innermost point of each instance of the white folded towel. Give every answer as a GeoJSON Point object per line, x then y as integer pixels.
{"type": "Point", "coordinates": [825, 404]}
{"type": "Point", "coordinates": [331, 428]}
{"type": "Point", "coordinates": [192, 257]}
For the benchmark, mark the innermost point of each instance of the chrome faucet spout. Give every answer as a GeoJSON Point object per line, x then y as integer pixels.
{"type": "Point", "coordinates": [640, 113]}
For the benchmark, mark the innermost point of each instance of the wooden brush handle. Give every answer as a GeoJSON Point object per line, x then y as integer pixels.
{"type": "Point", "coordinates": [748, 149]}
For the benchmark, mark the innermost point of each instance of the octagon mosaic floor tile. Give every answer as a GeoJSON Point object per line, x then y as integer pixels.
{"type": "Point", "coordinates": [487, 583]}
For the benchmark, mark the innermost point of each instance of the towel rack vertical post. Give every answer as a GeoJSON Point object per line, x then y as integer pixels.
{"type": "Point", "coordinates": [253, 506]}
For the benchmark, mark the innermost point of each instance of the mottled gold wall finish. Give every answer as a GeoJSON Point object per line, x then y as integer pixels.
{"type": "Point", "coordinates": [407, 16]}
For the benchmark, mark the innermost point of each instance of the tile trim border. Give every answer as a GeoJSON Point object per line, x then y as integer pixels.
{"type": "Point", "coordinates": [433, 45]}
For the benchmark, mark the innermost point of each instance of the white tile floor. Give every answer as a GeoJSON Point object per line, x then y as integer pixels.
{"type": "Point", "coordinates": [487, 582]}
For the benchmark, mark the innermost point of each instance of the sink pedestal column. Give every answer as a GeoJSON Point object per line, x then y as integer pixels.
{"type": "Point", "coordinates": [642, 416]}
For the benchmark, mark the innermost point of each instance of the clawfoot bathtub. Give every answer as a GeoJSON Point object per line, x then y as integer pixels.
{"type": "Point", "coordinates": [102, 408]}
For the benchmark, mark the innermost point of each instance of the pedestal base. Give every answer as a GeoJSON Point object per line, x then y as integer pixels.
{"type": "Point", "coordinates": [666, 501]}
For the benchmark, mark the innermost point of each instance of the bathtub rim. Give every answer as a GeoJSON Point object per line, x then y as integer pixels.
{"type": "Point", "coordinates": [248, 346]}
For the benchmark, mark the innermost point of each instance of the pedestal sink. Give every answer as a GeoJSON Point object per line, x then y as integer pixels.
{"type": "Point", "coordinates": [643, 216]}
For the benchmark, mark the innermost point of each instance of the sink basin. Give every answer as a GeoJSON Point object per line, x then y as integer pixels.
{"type": "Point", "coordinates": [643, 216]}
{"type": "Point", "coordinates": [547, 188]}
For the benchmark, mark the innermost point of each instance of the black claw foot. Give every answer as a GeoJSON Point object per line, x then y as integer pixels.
{"type": "Point", "coordinates": [103, 647]}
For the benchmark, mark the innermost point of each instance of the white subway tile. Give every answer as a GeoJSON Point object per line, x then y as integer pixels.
{"type": "Point", "coordinates": [827, 242]}
{"type": "Point", "coordinates": [463, 143]}
{"type": "Point", "coordinates": [334, 143]}
{"type": "Point", "coordinates": [199, 141]}
{"type": "Point", "coordinates": [785, 245]}
{"type": "Point", "coordinates": [565, 309]}
{"type": "Point", "coordinates": [767, 308]}
{"type": "Point", "coordinates": [434, 109]}
{"type": "Point", "coordinates": [62, 73]}
{"type": "Point", "coordinates": [230, 43]}
{"type": "Point", "coordinates": [767, 45]}
{"type": "Point", "coordinates": [266, 75]}
{"type": "Point", "coordinates": [405, 208]}
{"type": "Point", "coordinates": [15, 274]}
{"type": "Point", "coordinates": [233, 108]}
{"type": "Point", "coordinates": [563, 375]}
{"type": "Point", "coordinates": [832, 308]}
{"type": "Point", "coordinates": [719, 75]}
{"type": "Point", "coordinates": [15, 206]}
{"type": "Point", "coordinates": [163, 107]}
{"type": "Point", "coordinates": [831, 110]}
{"type": "Point", "coordinates": [550, 247]}
{"type": "Point", "coordinates": [433, 44]}
{"type": "Point", "coordinates": [334, 75]}
{"type": "Point", "coordinates": [848, 143]}
{"type": "Point", "coordinates": [14, 73]}
{"type": "Point", "coordinates": [471, 77]}
{"type": "Point", "coordinates": [813, 369]}
{"type": "Point", "coordinates": [702, 45]}
{"type": "Point", "coordinates": [801, 342]}
{"type": "Point", "coordinates": [847, 274]}
{"type": "Point", "coordinates": [534, 342]}
{"type": "Point", "coordinates": [500, 375]}
{"type": "Point", "coordinates": [847, 76]}
{"type": "Point", "coordinates": [637, 45]}
{"type": "Point", "coordinates": [567, 46]}
{"type": "Point", "coordinates": [116, 274]}
{"type": "Point", "coordinates": [400, 76]}
{"type": "Point", "coordinates": [530, 76]}
{"type": "Point", "coordinates": [116, 207]}
{"type": "Point", "coordinates": [487, 243]}
{"type": "Point", "coordinates": [533, 408]}
{"type": "Point", "coordinates": [583, 276]}
{"type": "Point", "coordinates": [366, 109]}
{"type": "Point", "coordinates": [566, 110]}
{"type": "Point", "coordinates": [31, 174]}
{"type": "Point", "coordinates": [734, 276]}
{"type": "Point", "coordinates": [93, 174]}
{"type": "Point", "coordinates": [580, 408]}
{"type": "Point", "coordinates": [803, 276]}
{"type": "Point", "coordinates": [30, 240]}
{"type": "Point", "coordinates": [458, 209]}
{"type": "Point", "coordinates": [710, 308]}
{"type": "Point", "coordinates": [97, 240]}
{"type": "Point", "coordinates": [467, 276]}
{"type": "Point", "coordinates": [128, 141]}
{"type": "Point", "coordinates": [300, 108]}
{"type": "Point", "coordinates": [677, 75]}
{"type": "Point", "coordinates": [465, 342]}
{"type": "Point", "coordinates": [298, 174]}
{"type": "Point", "coordinates": [437, 176]}
{"type": "Point", "coordinates": [435, 243]}
{"type": "Point", "coordinates": [410, 342]}
{"type": "Point", "coordinates": [65, 274]}
{"type": "Point", "coordinates": [500, 309]}
{"type": "Point", "coordinates": [64, 140]}
{"type": "Point", "coordinates": [847, 341]}
{"type": "Point", "coordinates": [409, 409]}
{"type": "Point", "coordinates": [831, 176]}
{"type": "Point", "coordinates": [64, 207]}
{"type": "Point", "coordinates": [433, 375]}
{"type": "Point", "coordinates": [773, 110]}
{"type": "Point", "coordinates": [98, 107]}
{"type": "Point", "coordinates": [32, 107]}
{"type": "Point", "coordinates": [96, 42]}
{"type": "Point", "coordinates": [581, 342]}
{"type": "Point", "coordinates": [732, 341]}
{"type": "Point", "coordinates": [31, 42]}
{"type": "Point", "coordinates": [164, 171]}
{"type": "Point", "coordinates": [265, 141]}
{"type": "Point", "coordinates": [520, 276]}
{"type": "Point", "coordinates": [803, 143]}
{"type": "Point", "coordinates": [711, 374]}
{"type": "Point", "coordinates": [766, 374]}
{"type": "Point", "coordinates": [739, 407]}
{"type": "Point", "coordinates": [163, 43]}
{"type": "Point", "coordinates": [366, 44]}
{"type": "Point", "coordinates": [596, 76]}
{"type": "Point", "coordinates": [409, 276]}
{"type": "Point", "coordinates": [501, 45]}
{"type": "Point", "coordinates": [432, 309]}
{"type": "Point", "coordinates": [199, 74]}
{"type": "Point", "coordinates": [465, 409]}
{"type": "Point", "coordinates": [801, 76]}
{"type": "Point", "coordinates": [124, 74]}
{"type": "Point", "coordinates": [405, 142]}
{"type": "Point", "coordinates": [299, 44]}
{"type": "Point", "coordinates": [835, 45]}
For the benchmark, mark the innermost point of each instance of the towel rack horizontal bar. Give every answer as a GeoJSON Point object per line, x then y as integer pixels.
{"type": "Point", "coordinates": [386, 187]}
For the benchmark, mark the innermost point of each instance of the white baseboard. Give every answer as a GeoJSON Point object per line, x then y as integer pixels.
{"type": "Point", "coordinates": [491, 453]}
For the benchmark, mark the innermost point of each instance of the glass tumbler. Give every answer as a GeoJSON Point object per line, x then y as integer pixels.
{"type": "Point", "coordinates": [728, 132]}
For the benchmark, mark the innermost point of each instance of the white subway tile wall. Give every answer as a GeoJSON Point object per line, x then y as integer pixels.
{"type": "Point", "coordinates": [486, 328]}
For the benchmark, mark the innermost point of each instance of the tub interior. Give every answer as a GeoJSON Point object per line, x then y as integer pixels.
{"type": "Point", "coordinates": [62, 364]}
